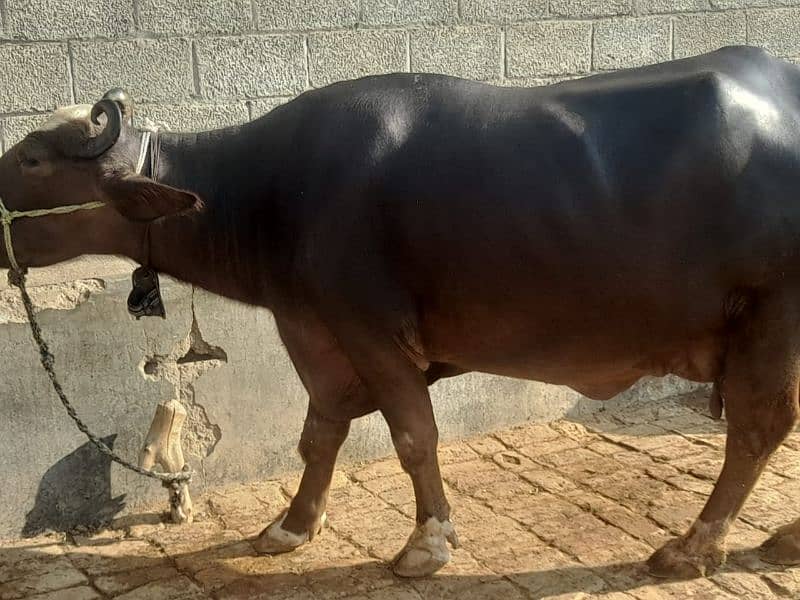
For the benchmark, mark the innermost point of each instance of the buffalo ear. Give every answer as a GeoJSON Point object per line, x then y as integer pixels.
{"type": "Point", "coordinates": [139, 198]}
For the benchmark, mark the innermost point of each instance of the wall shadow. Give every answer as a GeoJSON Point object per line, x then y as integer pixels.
{"type": "Point", "coordinates": [75, 491]}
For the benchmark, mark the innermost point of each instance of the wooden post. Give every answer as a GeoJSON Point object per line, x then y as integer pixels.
{"type": "Point", "coordinates": [162, 447]}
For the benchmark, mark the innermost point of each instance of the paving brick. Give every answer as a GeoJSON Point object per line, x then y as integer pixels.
{"type": "Point", "coordinates": [697, 34]}
{"type": "Point", "coordinates": [251, 66]}
{"type": "Point", "coordinates": [123, 555]}
{"type": "Point", "coordinates": [744, 585]}
{"type": "Point", "coordinates": [524, 436]}
{"type": "Point", "coordinates": [306, 14]}
{"type": "Point", "coordinates": [404, 12]}
{"type": "Point", "coordinates": [670, 6]}
{"type": "Point", "coordinates": [58, 19]}
{"type": "Point", "coordinates": [469, 52]}
{"type": "Point", "coordinates": [631, 42]}
{"type": "Point", "coordinates": [150, 70]}
{"type": "Point", "coordinates": [195, 16]}
{"type": "Point", "coordinates": [57, 574]}
{"type": "Point", "coordinates": [83, 592]}
{"type": "Point", "coordinates": [343, 55]}
{"type": "Point", "coordinates": [179, 588]}
{"type": "Point", "coordinates": [35, 77]}
{"type": "Point", "coordinates": [775, 30]}
{"type": "Point", "coordinates": [548, 48]}
{"type": "Point", "coordinates": [590, 8]}
{"type": "Point", "coordinates": [502, 11]}
{"type": "Point", "coordinates": [119, 583]}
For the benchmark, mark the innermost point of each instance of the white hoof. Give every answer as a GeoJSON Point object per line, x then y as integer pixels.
{"type": "Point", "coordinates": [277, 540]}
{"type": "Point", "coordinates": [426, 550]}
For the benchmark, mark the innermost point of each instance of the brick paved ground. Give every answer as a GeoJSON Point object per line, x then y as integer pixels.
{"type": "Point", "coordinates": [567, 510]}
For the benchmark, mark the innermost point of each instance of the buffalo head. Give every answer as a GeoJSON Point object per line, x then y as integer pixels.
{"type": "Point", "coordinates": [83, 154]}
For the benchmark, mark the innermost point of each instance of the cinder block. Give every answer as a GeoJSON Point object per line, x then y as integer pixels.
{"type": "Point", "coordinates": [699, 33]}
{"type": "Point", "coordinates": [251, 66]}
{"type": "Point", "coordinates": [750, 3]}
{"type": "Point", "coordinates": [350, 54]}
{"type": "Point", "coordinates": [502, 11]}
{"type": "Point", "coordinates": [776, 30]}
{"type": "Point", "coordinates": [150, 70]}
{"type": "Point", "coordinates": [59, 19]}
{"type": "Point", "coordinates": [548, 48]}
{"type": "Point", "coordinates": [34, 77]}
{"type": "Point", "coordinates": [671, 6]}
{"type": "Point", "coordinates": [306, 14]}
{"type": "Point", "coordinates": [195, 16]}
{"type": "Point", "coordinates": [631, 42]}
{"type": "Point", "coordinates": [590, 8]}
{"type": "Point", "coordinates": [469, 52]}
{"type": "Point", "coordinates": [404, 12]}
{"type": "Point", "coordinates": [16, 128]}
{"type": "Point", "coordinates": [193, 116]}
{"type": "Point", "coordinates": [262, 106]}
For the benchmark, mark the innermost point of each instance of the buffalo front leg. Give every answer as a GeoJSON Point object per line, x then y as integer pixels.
{"type": "Point", "coordinates": [319, 446]}
{"type": "Point", "coordinates": [761, 401]}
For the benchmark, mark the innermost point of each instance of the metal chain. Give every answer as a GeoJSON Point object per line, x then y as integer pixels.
{"type": "Point", "coordinates": [170, 480]}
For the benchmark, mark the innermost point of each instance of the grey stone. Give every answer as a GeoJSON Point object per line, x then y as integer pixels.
{"type": "Point", "coordinates": [631, 42]}
{"type": "Point", "coordinates": [350, 54]}
{"type": "Point", "coordinates": [58, 19]}
{"type": "Point", "coordinates": [404, 12]}
{"type": "Point", "coordinates": [251, 66]}
{"type": "Point", "coordinates": [470, 52]}
{"type": "Point", "coordinates": [16, 128]}
{"type": "Point", "coordinates": [35, 77]}
{"type": "Point", "coordinates": [777, 30]}
{"type": "Point", "coordinates": [670, 6]}
{"type": "Point", "coordinates": [696, 34]}
{"type": "Point", "coordinates": [590, 8]}
{"type": "Point", "coordinates": [262, 106]}
{"type": "Point", "coordinates": [150, 70]}
{"type": "Point", "coordinates": [306, 14]}
{"type": "Point", "coordinates": [548, 48]}
{"type": "Point", "coordinates": [195, 16]}
{"type": "Point", "coordinates": [503, 11]}
{"type": "Point", "coordinates": [193, 116]}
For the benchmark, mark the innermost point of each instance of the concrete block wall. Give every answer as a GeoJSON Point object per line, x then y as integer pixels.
{"type": "Point", "coordinates": [193, 64]}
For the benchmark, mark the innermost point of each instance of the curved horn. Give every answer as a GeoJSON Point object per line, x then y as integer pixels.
{"type": "Point", "coordinates": [122, 98]}
{"type": "Point", "coordinates": [97, 145]}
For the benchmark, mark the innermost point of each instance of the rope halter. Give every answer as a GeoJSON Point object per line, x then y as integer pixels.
{"type": "Point", "coordinates": [7, 217]}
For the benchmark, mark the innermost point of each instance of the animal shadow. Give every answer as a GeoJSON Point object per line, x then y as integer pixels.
{"type": "Point", "coordinates": [75, 491]}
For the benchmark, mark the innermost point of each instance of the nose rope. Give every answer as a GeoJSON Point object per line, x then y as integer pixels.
{"type": "Point", "coordinates": [176, 482]}
{"type": "Point", "coordinates": [7, 217]}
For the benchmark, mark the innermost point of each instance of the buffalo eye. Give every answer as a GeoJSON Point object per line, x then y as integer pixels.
{"type": "Point", "coordinates": [30, 163]}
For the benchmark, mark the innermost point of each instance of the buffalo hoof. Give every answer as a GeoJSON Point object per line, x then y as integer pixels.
{"type": "Point", "coordinates": [426, 550]}
{"type": "Point", "coordinates": [675, 560]}
{"type": "Point", "coordinates": [783, 548]}
{"type": "Point", "coordinates": [277, 540]}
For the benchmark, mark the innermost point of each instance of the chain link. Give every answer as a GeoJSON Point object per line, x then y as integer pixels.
{"type": "Point", "coordinates": [170, 480]}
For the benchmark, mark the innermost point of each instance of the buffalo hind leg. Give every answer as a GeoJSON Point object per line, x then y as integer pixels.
{"type": "Point", "coordinates": [415, 437]}
{"type": "Point", "coordinates": [319, 446]}
{"type": "Point", "coordinates": [761, 402]}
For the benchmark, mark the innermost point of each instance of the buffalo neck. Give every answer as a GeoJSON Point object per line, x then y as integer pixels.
{"type": "Point", "coordinates": [227, 246]}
